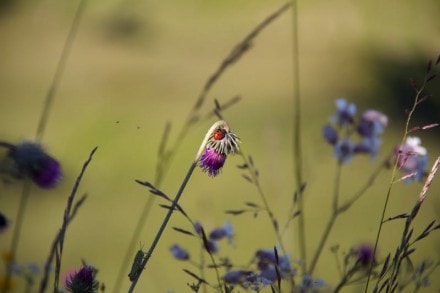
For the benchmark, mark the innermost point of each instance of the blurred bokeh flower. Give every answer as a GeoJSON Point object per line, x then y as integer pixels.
{"type": "Point", "coordinates": [349, 136]}
{"type": "Point", "coordinates": [30, 160]}
{"type": "Point", "coordinates": [179, 252]}
{"type": "Point", "coordinates": [412, 158]}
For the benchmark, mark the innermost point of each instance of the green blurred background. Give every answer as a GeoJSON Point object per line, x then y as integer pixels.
{"type": "Point", "coordinates": [136, 65]}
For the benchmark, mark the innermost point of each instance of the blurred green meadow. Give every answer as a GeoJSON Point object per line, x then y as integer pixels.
{"type": "Point", "coordinates": [137, 65]}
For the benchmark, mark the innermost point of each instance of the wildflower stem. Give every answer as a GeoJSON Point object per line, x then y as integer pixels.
{"type": "Point", "coordinates": [267, 208]}
{"type": "Point", "coordinates": [335, 212]}
{"type": "Point", "coordinates": [393, 173]}
{"type": "Point", "coordinates": [164, 224]}
{"type": "Point", "coordinates": [297, 150]}
{"type": "Point", "coordinates": [59, 70]}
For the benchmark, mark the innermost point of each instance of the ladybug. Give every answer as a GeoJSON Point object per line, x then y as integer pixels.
{"type": "Point", "coordinates": [218, 134]}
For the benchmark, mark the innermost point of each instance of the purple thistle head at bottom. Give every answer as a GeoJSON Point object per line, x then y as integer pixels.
{"type": "Point", "coordinates": [212, 161]}
{"type": "Point", "coordinates": [82, 281]}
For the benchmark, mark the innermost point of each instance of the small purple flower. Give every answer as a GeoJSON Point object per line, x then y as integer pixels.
{"type": "Point", "coordinates": [238, 277]}
{"type": "Point", "coordinates": [179, 252]}
{"type": "Point", "coordinates": [372, 123]}
{"type": "Point", "coordinates": [212, 161]}
{"type": "Point", "coordinates": [344, 150]}
{"type": "Point", "coordinates": [225, 231]}
{"type": "Point", "coordinates": [369, 145]}
{"type": "Point", "coordinates": [330, 134]}
{"type": "Point", "coordinates": [198, 227]}
{"type": "Point", "coordinates": [308, 283]}
{"type": "Point", "coordinates": [212, 246]}
{"type": "Point", "coordinates": [31, 160]}
{"type": "Point", "coordinates": [346, 112]}
{"type": "Point", "coordinates": [267, 261]}
{"type": "Point", "coordinates": [412, 158]}
{"type": "Point", "coordinates": [4, 222]}
{"type": "Point", "coordinates": [83, 281]}
{"type": "Point", "coordinates": [368, 129]}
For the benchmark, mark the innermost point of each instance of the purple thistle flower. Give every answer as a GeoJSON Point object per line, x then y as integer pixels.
{"type": "Point", "coordinates": [179, 252]}
{"type": "Point", "coordinates": [83, 281]}
{"type": "Point", "coordinates": [413, 158]}
{"type": "Point", "coordinates": [218, 143]}
{"type": "Point", "coordinates": [364, 254]}
{"type": "Point", "coordinates": [212, 161]}
{"type": "Point", "coordinates": [31, 160]}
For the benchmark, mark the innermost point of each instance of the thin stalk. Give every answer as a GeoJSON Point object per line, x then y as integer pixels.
{"type": "Point", "coordinates": [164, 224]}
{"type": "Point", "coordinates": [60, 70]}
{"type": "Point", "coordinates": [393, 173]}
{"type": "Point", "coordinates": [267, 208]}
{"type": "Point", "coordinates": [297, 149]}
{"type": "Point", "coordinates": [335, 212]}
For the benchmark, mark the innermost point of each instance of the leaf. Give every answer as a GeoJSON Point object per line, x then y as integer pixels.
{"type": "Point", "coordinates": [195, 276]}
{"type": "Point", "coordinates": [431, 77]}
{"type": "Point", "coordinates": [408, 253]}
{"type": "Point", "coordinates": [296, 214]}
{"type": "Point", "coordinates": [248, 178]}
{"type": "Point", "coordinates": [252, 204]}
{"type": "Point", "coordinates": [426, 231]}
{"type": "Point", "coordinates": [243, 166]}
{"type": "Point", "coordinates": [251, 161]}
{"type": "Point", "coordinates": [183, 231]}
{"type": "Point", "coordinates": [145, 183]}
{"type": "Point", "coordinates": [385, 266]}
{"type": "Point", "coordinates": [235, 212]}
{"type": "Point", "coordinates": [399, 216]}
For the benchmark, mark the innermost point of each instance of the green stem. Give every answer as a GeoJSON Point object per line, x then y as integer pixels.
{"type": "Point", "coordinates": [335, 212]}
{"type": "Point", "coordinates": [163, 226]}
{"type": "Point", "coordinates": [297, 150]}
{"type": "Point", "coordinates": [393, 174]}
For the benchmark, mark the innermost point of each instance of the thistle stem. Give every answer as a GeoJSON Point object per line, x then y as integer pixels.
{"type": "Point", "coordinates": [164, 224]}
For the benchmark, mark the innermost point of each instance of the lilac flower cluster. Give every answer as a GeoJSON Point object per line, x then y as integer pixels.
{"type": "Point", "coordinates": [344, 126]}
